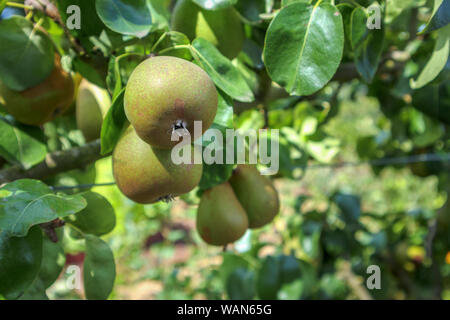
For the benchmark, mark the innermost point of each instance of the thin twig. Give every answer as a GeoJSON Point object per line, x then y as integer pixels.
{"type": "Point", "coordinates": [83, 186]}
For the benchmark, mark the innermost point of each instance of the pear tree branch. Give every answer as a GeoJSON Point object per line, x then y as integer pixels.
{"type": "Point", "coordinates": [56, 162]}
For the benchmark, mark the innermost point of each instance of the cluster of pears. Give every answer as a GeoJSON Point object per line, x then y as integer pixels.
{"type": "Point", "coordinates": [163, 97]}
{"type": "Point", "coordinates": [43, 102]}
{"type": "Point", "coordinates": [223, 28]}
{"type": "Point", "coordinates": [226, 211]}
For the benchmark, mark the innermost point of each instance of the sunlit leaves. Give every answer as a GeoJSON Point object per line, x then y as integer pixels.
{"type": "Point", "coordinates": [437, 61]}
{"type": "Point", "coordinates": [113, 124]}
{"type": "Point", "coordinates": [19, 145]}
{"type": "Point", "coordinates": [440, 16]}
{"type": "Point", "coordinates": [295, 53]}
{"type": "Point", "coordinates": [221, 70]}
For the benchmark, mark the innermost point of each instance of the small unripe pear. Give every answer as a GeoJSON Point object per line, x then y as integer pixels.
{"type": "Point", "coordinates": [146, 174]}
{"type": "Point", "coordinates": [223, 28]}
{"type": "Point", "coordinates": [220, 217]}
{"type": "Point", "coordinates": [257, 195]}
{"type": "Point", "coordinates": [40, 104]}
{"type": "Point", "coordinates": [164, 94]}
{"type": "Point", "coordinates": [92, 104]}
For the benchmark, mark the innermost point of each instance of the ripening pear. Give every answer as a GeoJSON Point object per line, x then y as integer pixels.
{"type": "Point", "coordinates": [41, 103]}
{"type": "Point", "coordinates": [221, 219]}
{"type": "Point", "coordinates": [223, 28]}
{"type": "Point", "coordinates": [92, 104]}
{"type": "Point", "coordinates": [257, 195]}
{"type": "Point", "coordinates": [77, 78]}
{"type": "Point", "coordinates": [146, 174]}
{"type": "Point", "coordinates": [165, 94]}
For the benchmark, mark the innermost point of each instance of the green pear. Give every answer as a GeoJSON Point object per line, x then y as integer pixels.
{"type": "Point", "coordinates": [77, 78]}
{"type": "Point", "coordinates": [223, 28]}
{"type": "Point", "coordinates": [221, 219]}
{"type": "Point", "coordinates": [257, 195]}
{"type": "Point", "coordinates": [164, 94]}
{"type": "Point", "coordinates": [92, 104]}
{"type": "Point", "coordinates": [147, 174]}
{"type": "Point", "coordinates": [41, 103]}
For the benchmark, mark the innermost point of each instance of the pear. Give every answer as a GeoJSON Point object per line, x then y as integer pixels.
{"type": "Point", "coordinates": [77, 78]}
{"type": "Point", "coordinates": [92, 104]}
{"type": "Point", "coordinates": [223, 28]}
{"type": "Point", "coordinates": [146, 174]}
{"type": "Point", "coordinates": [257, 195]}
{"type": "Point", "coordinates": [221, 219]}
{"type": "Point", "coordinates": [164, 94]}
{"type": "Point", "coordinates": [41, 103]}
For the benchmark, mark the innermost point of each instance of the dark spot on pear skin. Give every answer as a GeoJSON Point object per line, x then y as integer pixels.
{"type": "Point", "coordinates": [179, 108]}
{"type": "Point", "coordinates": [207, 234]}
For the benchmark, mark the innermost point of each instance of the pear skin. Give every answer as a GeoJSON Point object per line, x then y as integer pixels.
{"type": "Point", "coordinates": [92, 104]}
{"type": "Point", "coordinates": [147, 175]}
{"type": "Point", "coordinates": [40, 104]}
{"type": "Point", "coordinates": [257, 195]}
{"type": "Point", "coordinates": [223, 28]}
{"type": "Point", "coordinates": [221, 219]}
{"type": "Point", "coordinates": [167, 93]}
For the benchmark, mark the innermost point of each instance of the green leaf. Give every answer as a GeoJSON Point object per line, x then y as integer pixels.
{"type": "Point", "coordinates": [214, 174]}
{"type": "Point", "coordinates": [358, 27]}
{"type": "Point", "coordinates": [98, 218]}
{"type": "Point", "coordinates": [26, 54]}
{"type": "Point", "coordinates": [18, 145]}
{"type": "Point", "coordinates": [166, 43]}
{"type": "Point", "coordinates": [120, 69]}
{"type": "Point", "coordinates": [91, 25]}
{"type": "Point", "coordinates": [160, 14]}
{"type": "Point", "coordinates": [2, 5]}
{"type": "Point", "coordinates": [230, 262]}
{"type": "Point", "coordinates": [129, 17]}
{"type": "Point", "coordinates": [310, 236]}
{"type": "Point", "coordinates": [350, 206]}
{"type": "Point", "coordinates": [215, 4]}
{"type": "Point", "coordinates": [99, 269]}
{"type": "Point", "coordinates": [224, 115]}
{"type": "Point", "coordinates": [93, 68]}
{"type": "Point", "coordinates": [346, 10]}
{"type": "Point", "coordinates": [53, 261]}
{"type": "Point", "coordinates": [367, 46]}
{"type": "Point", "coordinates": [224, 74]}
{"type": "Point", "coordinates": [251, 9]}
{"type": "Point", "coordinates": [440, 16]}
{"type": "Point", "coordinates": [113, 125]}
{"type": "Point", "coordinates": [289, 269]}
{"type": "Point", "coordinates": [241, 284]}
{"type": "Point", "coordinates": [269, 279]}
{"type": "Point", "coordinates": [25, 203]}
{"type": "Point", "coordinates": [304, 46]}
{"type": "Point", "coordinates": [437, 61]}
{"type": "Point", "coordinates": [35, 291]}
{"type": "Point", "coordinates": [20, 261]}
